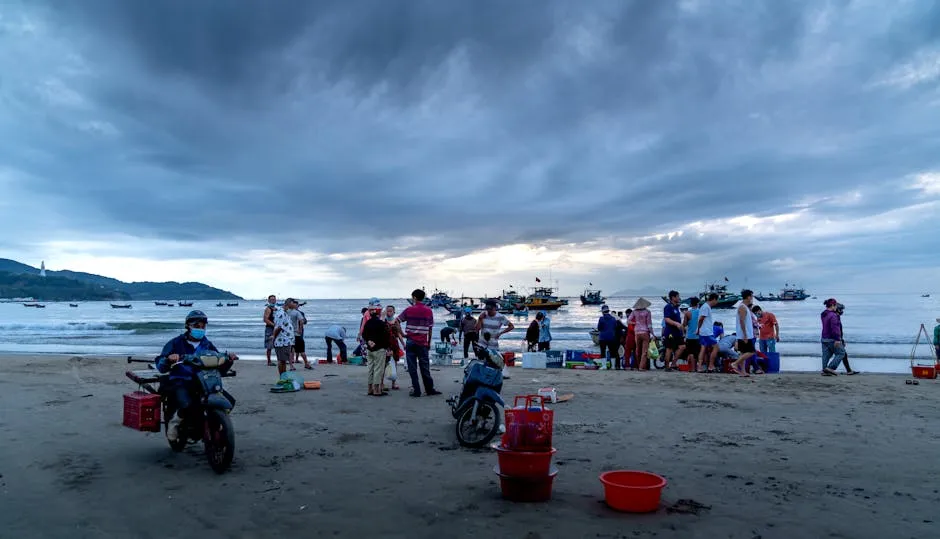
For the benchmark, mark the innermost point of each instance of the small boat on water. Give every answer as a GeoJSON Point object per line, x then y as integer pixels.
{"type": "Point", "coordinates": [788, 293]}
{"type": "Point", "coordinates": [726, 300]}
{"type": "Point", "coordinates": [232, 304]}
{"type": "Point", "coordinates": [125, 306]}
{"type": "Point", "coordinates": [160, 303]}
{"type": "Point", "coordinates": [925, 295]}
{"type": "Point", "coordinates": [543, 298]}
{"type": "Point", "coordinates": [219, 304]}
{"type": "Point", "coordinates": [73, 304]}
{"type": "Point", "coordinates": [592, 297]}
{"type": "Point", "coordinates": [181, 304]}
{"type": "Point", "coordinates": [36, 305]}
{"type": "Point", "coordinates": [520, 312]}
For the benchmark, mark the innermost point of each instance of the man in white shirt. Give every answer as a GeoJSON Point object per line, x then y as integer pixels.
{"type": "Point", "coordinates": [336, 334]}
{"type": "Point", "coordinates": [706, 335]}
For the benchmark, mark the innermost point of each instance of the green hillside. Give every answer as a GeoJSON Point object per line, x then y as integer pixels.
{"type": "Point", "coordinates": [17, 285]}
{"type": "Point", "coordinates": [85, 284]}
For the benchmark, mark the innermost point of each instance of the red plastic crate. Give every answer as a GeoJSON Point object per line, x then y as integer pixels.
{"type": "Point", "coordinates": [529, 426]}
{"type": "Point", "coordinates": [142, 411]}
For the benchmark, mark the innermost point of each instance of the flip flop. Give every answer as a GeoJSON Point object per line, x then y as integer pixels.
{"type": "Point", "coordinates": [851, 373]}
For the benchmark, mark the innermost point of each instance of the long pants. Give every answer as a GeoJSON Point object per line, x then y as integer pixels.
{"type": "Point", "coordinates": [642, 348]}
{"type": "Point", "coordinates": [767, 346]}
{"type": "Point", "coordinates": [376, 366]}
{"type": "Point", "coordinates": [629, 347]}
{"type": "Point", "coordinates": [610, 349]}
{"type": "Point", "coordinates": [416, 356]}
{"type": "Point", "coordinates": [179, 396]}
{"type": "Point", "coordinates": [832, 355]}
{"type": "Point", "coordinates": [469, 338]}
{"type": "Point", "coordinates": [329, 349]}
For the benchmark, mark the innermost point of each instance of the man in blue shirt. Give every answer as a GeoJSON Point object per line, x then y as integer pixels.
{"type": "Point", "coordinates": [181, 385]}
{"type": "Point", "coordinates": [672, 330]}
{"type": "Point", "coordinates": [607, 336]}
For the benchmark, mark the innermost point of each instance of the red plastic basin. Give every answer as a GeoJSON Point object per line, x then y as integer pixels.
{"type": "Point", "coordinates": [524, 463]}
{"type": "Point", "coordinates": [526, 489]}
{"type": "Point", "coordinates": [632, 491]}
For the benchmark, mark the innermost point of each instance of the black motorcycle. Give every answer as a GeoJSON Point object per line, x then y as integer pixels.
{"type": "Point", "coordinates": [475, 408]}
{"type": "Point", "coordinates": [213, 406]}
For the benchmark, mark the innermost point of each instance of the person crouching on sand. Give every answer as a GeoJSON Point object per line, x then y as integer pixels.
{"type": "Point", "coordinates": [376, 335]}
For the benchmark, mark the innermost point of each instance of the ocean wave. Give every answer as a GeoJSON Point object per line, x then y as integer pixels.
{"type": "Point", "coordinates": [145, 327]}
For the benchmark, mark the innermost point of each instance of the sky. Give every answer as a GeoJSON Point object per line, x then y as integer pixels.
{"type": "Point", "coordinates": [344, 148]}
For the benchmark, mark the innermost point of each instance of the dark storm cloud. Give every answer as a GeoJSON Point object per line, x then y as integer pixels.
{"type": "Point", "coordinates": [465, 124]}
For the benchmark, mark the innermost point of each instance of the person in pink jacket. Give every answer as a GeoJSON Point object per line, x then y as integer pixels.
{"type": "Point", "coordinates": [643, 327]}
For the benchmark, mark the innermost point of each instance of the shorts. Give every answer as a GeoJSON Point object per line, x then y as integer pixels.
{"type": "Point", "coordinates": [543, 346]}
{"type": "Point", "coordinates": [707, 340]}
{"type": "Point", "coordinates": [268, 338]}
{"type": "Point", "coordinates": [672, 342]}
{"type": "Point", "coordinates": [299, 346]}
{"type": "Point", "coordinates": [283, 354]}
{"type": "Point", "coordinates": [746, 346]}
{"type": "Point", "coordinates": [692, 347]}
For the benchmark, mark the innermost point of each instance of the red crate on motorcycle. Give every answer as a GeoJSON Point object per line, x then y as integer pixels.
{"type": "Point", "coordinates": [529, 425]}
{"type": "Point", "coordinates": [142, 411]}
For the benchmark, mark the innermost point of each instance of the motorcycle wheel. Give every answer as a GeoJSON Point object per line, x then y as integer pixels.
{"type": "Point", "coordinates": [220, 444]}
{"type": "Point", "coordinates": [470, 435]}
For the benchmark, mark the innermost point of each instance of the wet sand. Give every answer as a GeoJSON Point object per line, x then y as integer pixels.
{"type": "Point", "coordinates": [792, 455]}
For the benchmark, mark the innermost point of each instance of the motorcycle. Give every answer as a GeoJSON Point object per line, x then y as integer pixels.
{"type": "Point", "coordinates": [213, 406]}
{"type": "Point", "coordinates": [474, 408]}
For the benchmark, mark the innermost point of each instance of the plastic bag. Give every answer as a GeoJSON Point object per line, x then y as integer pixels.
{"type": "Point", "coordinates": [392, 370]}
{"type": "Point", "coordinates": [653, 351]}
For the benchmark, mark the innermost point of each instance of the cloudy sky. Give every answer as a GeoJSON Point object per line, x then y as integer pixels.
{"type": "Point", "coordinates": [343, 148]}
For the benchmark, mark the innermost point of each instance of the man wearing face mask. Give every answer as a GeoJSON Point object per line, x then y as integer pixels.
{"type": "Point", "coordinates": [179, 389]}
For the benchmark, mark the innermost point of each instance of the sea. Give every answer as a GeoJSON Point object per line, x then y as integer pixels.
{"type": "Point", "coordinates": [880, 329]}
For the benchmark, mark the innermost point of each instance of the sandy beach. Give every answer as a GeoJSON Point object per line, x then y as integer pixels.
{"type": "Point", "coordinates": [791, 455]}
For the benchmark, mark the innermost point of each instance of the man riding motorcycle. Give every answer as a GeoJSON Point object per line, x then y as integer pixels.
{"type": "Point", "coordinates": [181, 387]}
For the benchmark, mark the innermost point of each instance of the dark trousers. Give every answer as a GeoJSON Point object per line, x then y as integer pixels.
{"type": "Point", "coordinates": [329, 349]}
{"type": "Point", "coordinates": [180, 397]}
{"type": "Point", "coordinates": [468, 339]}
{"type": "Point", "coordinates": [416, 356]}
{"type": "Point", "coordinates": [613, 348]}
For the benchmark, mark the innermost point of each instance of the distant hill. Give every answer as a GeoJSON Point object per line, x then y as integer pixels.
{"type": "Point", "coordinates": [86, 285]}
{"type": "Point", "coordinates": [54, 288]}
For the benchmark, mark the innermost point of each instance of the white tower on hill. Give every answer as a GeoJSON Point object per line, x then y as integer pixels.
{"type": "Point", "coordinates": [42, 269]}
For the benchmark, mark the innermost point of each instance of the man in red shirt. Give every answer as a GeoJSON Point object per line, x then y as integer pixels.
{"type": "Point", "coordinates": [769, 332]}
{"type": "Point", "coordinates": [419, 321]}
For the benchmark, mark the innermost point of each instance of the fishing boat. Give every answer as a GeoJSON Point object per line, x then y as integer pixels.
{"type": "Point", "coordinates": [159, 303]}
{"type": "Point", "coordinates": [30, 305]}
{"type": "Point", "coordinates": [925, 295]}
{"type": "Point", "coordinates": [73, 304]}
{"type": "Point", "coordinates": [592, 297]}
{"type": "Point", "coordinates": [125, 306]}
{"type": "Point", "coordinates": [787, 293]}
{"type": "Point", "coordinates": [726, 300]}
{"type": "Point", "coordinates": [232, 304]}
{"type": "Point", "coordinates": [520, 312]}
{"type": "Point", "coordinates": [219, 304]}
{"type": "Point", "coordinates": [181, 304]}
{"type": "Point", "coordinates": [475, 307]}
{"type": "Point", "coordinates": [543, 298]}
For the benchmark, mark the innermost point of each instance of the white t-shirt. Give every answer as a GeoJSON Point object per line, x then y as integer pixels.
{"type": "Point", "coordinates": [493, 324]}
{"type": "Point", "coordinates": [746, 332]}
{"type": "Point", "coordinates": [707, 329]}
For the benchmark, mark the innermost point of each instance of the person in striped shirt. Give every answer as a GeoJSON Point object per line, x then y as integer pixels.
{"type": "Point", "coordinates": [419, 321]}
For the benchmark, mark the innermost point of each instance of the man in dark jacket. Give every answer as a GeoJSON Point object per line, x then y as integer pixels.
{"type": "Point", "coordinates": [833, 348]}
{"type": "Point", "coordinates": [607, 336]}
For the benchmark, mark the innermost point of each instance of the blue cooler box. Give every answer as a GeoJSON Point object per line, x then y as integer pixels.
{"type": "Point", "coordinates": [773, 362]}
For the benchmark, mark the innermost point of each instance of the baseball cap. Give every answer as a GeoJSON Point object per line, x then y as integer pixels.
{"type": "Point", "coordinates": [605, 309]}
